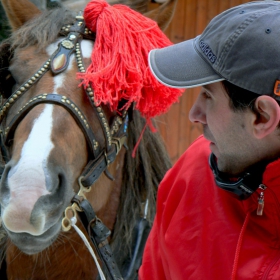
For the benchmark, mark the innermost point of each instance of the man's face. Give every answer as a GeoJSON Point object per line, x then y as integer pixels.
{"type": "Point", "coordinates": [230, 132]}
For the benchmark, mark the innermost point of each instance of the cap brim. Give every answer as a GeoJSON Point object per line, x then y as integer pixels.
{"type": "Point", "coordinates": [180, 66]}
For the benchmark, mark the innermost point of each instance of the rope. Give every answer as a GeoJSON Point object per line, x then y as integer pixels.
{"type": "Point", "coordinates": [73, 223]}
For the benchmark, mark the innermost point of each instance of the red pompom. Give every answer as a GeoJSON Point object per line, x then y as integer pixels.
{"type": "Point", "coordinates": [92, 11]}
{"type": "Point", "coordinates": [119, 62]}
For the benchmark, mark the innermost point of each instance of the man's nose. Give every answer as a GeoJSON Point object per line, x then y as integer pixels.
{"type": "Point", "coordinates": [197, 112]}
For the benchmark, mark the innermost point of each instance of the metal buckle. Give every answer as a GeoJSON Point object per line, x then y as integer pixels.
{"type": "Point", "coordinates": [71, 211]}
{"type": "Point", "coordinates": [119, 141]}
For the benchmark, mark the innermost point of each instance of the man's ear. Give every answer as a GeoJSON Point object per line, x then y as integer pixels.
{"type": "Point", "coordinates": [267, 116]}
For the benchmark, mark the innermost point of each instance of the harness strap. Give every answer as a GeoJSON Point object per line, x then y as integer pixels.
{"type": "Point", "coordinates": [60, 58]}
{"type": "Point", "coordinates": [95, 167]}
{"type": "Point", "coordinates": [66, 103]}
{"type": "Point", "coordinates": [98, 234]}
{"type": "Point", "coordinates": [140, 235]}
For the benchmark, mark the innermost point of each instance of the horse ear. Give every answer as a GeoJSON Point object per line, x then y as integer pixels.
{"type": "Point", "coordinates": [19, 12]}
{"type": "Point", "coordinates": [163, 14]}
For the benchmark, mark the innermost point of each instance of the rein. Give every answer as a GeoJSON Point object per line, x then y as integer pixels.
{"type": "Point", "coordinates": [114, 135]}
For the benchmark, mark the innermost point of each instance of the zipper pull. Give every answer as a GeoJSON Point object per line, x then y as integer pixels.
{"type": "Point", "coordinates": [261, 200]}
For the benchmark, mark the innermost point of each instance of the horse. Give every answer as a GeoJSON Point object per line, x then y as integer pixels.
{"type": "Point", "coordinates": [52, 131]}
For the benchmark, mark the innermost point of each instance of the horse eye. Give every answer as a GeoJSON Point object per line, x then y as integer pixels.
{"type": "Point", "coordinates": [7, 83]}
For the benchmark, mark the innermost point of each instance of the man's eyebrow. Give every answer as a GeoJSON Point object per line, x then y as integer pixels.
{"type": "Point", "coordinates": [208, 87]}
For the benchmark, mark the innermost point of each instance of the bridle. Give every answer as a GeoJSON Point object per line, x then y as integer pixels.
{"type": "Point", "coordinates": [114, 136]}
{"type": "Point", "coordinates": [99, 158]}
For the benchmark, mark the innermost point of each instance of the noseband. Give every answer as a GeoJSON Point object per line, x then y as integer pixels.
{"type": "Point", "coordinates": [99, 158]}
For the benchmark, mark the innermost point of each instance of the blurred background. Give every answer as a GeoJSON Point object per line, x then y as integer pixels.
{"type": "Point", "coordinates": [190, 19]}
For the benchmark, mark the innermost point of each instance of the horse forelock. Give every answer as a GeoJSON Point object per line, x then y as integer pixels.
{"type": "Point", "coordinates": [42, 30]}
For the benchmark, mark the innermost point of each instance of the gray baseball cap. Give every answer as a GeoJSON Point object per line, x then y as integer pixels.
{"type": "Point", "coordinates": [240, 45]}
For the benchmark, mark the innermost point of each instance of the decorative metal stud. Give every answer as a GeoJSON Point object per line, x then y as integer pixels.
{"type": "Point", "coordinates": [67, 44]}
{"type": "Point", "coordinates": [72, 37]}
{"type": "Point", "coordinates": [79, 17]}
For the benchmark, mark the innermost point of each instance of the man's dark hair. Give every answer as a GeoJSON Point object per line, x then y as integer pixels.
{"type": "Point", "coordinates": [240, 98]}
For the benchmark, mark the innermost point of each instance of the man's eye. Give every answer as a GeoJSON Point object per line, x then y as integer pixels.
{"type": "Point", "coordinates": [206, 95]}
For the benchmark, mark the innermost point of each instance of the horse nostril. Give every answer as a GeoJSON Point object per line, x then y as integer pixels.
{"type": "Point", "coordinates": [4, 187]}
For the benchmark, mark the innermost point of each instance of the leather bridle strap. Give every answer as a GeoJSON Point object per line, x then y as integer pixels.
{"type": "Point", "coordinates": [98, 234]}
{"type": "Point", "coordinates": [96, 166]}
{"type": "Point", "coordinates": [100, 159]}
{"type": "Point", "coordinates": [60, 100]}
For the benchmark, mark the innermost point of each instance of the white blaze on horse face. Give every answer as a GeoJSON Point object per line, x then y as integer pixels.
{"type": "Point", "coordinates": [87, 47]}
{"type": "Point", "coordinates": [29, 178]}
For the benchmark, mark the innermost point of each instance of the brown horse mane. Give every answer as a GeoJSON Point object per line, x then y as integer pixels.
{"type": "Point", "coordinates": [151, 160]}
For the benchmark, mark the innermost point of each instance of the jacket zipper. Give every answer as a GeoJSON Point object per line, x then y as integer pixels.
{"type": "Point", "coordinates": [261, 200]}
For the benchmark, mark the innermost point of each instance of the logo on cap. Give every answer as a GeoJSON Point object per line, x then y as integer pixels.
{"type": "Point", "coordinates": [277, 88]}
{"type": "Point", "coordinates": [207, 51]}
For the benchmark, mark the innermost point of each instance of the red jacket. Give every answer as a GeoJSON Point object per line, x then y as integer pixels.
{"type": "Point", "coordinates": [201, 232]}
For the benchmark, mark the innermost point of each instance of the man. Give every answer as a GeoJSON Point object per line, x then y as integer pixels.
{"type": "Point", "coordinates": [218, 209]}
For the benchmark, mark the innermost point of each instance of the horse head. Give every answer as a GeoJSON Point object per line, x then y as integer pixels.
{"type": "Point", "coordinates": [57, 141]}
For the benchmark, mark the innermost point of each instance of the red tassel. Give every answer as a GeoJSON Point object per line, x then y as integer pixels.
{"type": "Point", "coordinates": [119, 68]}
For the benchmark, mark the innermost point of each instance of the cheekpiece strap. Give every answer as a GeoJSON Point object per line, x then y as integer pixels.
{"type": "Point", "coordinates": [98, 234]}
{"type": "Point", "coordinates": [60, 59]}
